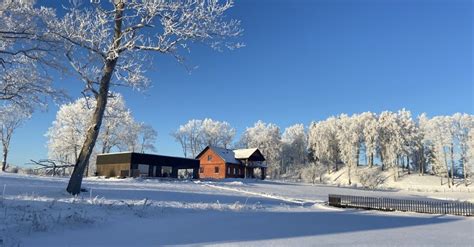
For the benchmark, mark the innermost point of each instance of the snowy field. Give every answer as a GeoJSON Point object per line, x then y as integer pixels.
{"type": "Point", "coordinates": [36, 211]}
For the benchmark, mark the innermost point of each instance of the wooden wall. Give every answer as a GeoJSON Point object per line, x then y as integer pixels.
{"type": "Point", "coordinates": [207, 167]}
{"type": "Point", "coordinates": [111, 170]}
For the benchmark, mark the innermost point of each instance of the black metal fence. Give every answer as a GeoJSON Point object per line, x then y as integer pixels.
{"type": "Point", "coordinates": [391, 204]}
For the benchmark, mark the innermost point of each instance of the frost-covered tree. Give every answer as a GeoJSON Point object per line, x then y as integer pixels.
{"type": "Point", "coordinates": [118, 126]}
{"type": "Point", "coordinates": [463, 125]}
{"type": "Point", "coordinates": [24, 52]}
{"type": "Point", "coordinates": [451, 136]}
{"type": "Point", "coordinates": [189, 136]}
{"type": "Point", "coordinates": [147, 138]}
{"type": "Point", "coordinates": [181, 136]}
{"type": "Point", "coordinates": [436, 131]}
{"type": "Point", "coordinates": [11, 117]}
{"type": "Point", "coordinates": [439, 145]}
{"type": "Point", "coordinates": [216, 133]}
{"type": "Point", "coordinates": [106, 43]}
{"type": "Point", "coordinates": [424, 155]}
{"type": "Point", "coordinates": [469, 163]}
{"type": "Point", "coordinates": [196, 134]}
{"type": "Point", "coordinates": [119, 130]}
{"type": "Point", "coordinates": [391, 141]}
{"type": "Point", "coordinates": [349, 135]}
{"type": "Point", "coordinates": [294, 147]}
{"type": "Point", "coordinates": [451, 130]}
{"type": "Point", "coordinates": [323, 143]}
{"type": "Point", "coordinates": [67, 131]}
{"type": "Point", "coordinates": [140, 137]}
{"type": "Point", "coordinates": [370, 132]}
{"type": "Point", "coordinates": [408, 135]}
{"type": "Point", "coordinates": [267, 138]}
{"type": "Point", "coordinates": [313, 172]}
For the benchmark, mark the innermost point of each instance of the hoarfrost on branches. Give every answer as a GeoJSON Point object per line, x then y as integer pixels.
{"type": "Point", "coordinates": [107, 44]}
{"type": "Point", "coordinates": [294, 143]}
{"type": "Point", "coordinates": [196, 134]}
{"type": "Point", "coordinates": [11, 117]}
{"type": "Point", "coordinates": [26, 50]}
{"type": "Point", "coordinates": [267, 138]}
{"type": "Point", "coordinates": [119, 131]}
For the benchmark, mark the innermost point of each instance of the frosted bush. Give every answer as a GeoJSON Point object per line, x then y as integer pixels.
{"type": "Point", "coordinates": [313, 173]}
{"type": "Point", "coordinates": [12, 169]}
{"type": "Point", "coordinates": [370, 179]}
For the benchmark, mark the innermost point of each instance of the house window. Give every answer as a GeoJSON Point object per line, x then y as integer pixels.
{"type": "Point", "coordinates": [235, 171]}
{"type": "Point", "coordinates": [201, 169]}
{"type": "Point", "coordinates": [228, 170]}
{"type": "Point", "coordinates": [209, 157]}
{"type": "Point", "coordinates": [216, 169]}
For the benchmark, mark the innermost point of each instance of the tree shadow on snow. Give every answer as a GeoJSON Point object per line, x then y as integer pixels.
{"type": "Point", "coordinates": [232, 227]}
{"type": "Point", "coordinates": [181, 226]}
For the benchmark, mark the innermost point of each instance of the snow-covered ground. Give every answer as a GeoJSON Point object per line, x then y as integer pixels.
{"type": "Point", "coordinates": [410, 182]}
{"type": "Point", "coordinates": [36, 211]}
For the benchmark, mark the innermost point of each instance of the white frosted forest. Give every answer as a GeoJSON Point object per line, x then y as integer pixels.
{"type": "Point", "coordinates": [371, 148]}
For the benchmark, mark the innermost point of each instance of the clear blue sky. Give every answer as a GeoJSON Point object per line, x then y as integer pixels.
{"type": "Point", "coordinates": [304, 61]}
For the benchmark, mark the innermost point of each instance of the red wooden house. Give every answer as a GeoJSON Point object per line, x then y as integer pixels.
{"type": "Point", "coordinates": [222, 163]}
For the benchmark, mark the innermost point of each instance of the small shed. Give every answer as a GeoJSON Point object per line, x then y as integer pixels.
{"type": "Point", "coordinates": [131, 164]}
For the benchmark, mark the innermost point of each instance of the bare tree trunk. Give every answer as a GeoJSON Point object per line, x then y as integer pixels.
{"type": "Point", "coordinates": [87, 169]}
{"type": "Point", "coordinates": [4, 161]}
{"type": "Point", "coordinates": [395, 168]}
{"type": "Point", "coordinates": [395, 172]}
{"type": "Point", "coordinates": [105, 144]}
{"type": "Point", "coordinates": [423, 168]}
{"type": "Point", "coordinates": [357, 156]}
{"type": "Point", "coordinates": [447, 166]}
{"type": "Point", "coordinates": [422, 161]}
{"type": "Point", "coordinates": [452, 163]}
{"type": "Point", "coordinates": [408, 164]}
{"type": "Point", "coordinates": [382, 161]}
{"type": "Point", "coordinates": [402, 162]}
{"type": "Point", "coordinates": [464, 172]}
{"type": "Point", "coordinates": [349, 173]}
{"type": "Point", "coordinates": [75, 146]}
{"type": "Point", "coordinates": [371, 160]}
{"type": "Point", "coordinates": [74, 186]}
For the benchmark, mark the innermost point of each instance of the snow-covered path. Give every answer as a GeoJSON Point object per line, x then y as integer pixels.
{"type": "Point", "coordinates": [37, 212]}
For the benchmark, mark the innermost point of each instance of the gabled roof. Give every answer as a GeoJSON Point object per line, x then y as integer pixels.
{"type": "Point", "coordinates": [244, 153]}
{"type": "Point", "coordinates": [226, 154]}
{"type": "Point", "coordinates": [251, 154]}
{"type": "Point", "coordinates": [233, 156]}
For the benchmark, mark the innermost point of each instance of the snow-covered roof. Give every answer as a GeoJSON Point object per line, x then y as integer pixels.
{"type": "Point", "coordinates": [235, 156]}
{"type": "Point", "coordinates": [232, 156]}
{"type": "Point", "coordinates": [244, 153]}
{"type": "Point", "coordinates": [226, 154]}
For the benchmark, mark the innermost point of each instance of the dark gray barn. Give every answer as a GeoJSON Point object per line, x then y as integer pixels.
{"type": "Point", "coordinates": [130, 164]}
